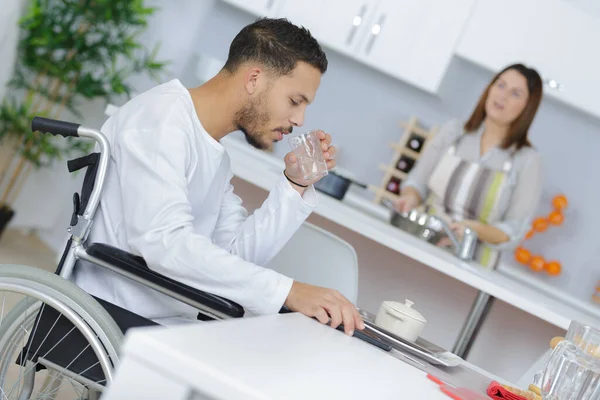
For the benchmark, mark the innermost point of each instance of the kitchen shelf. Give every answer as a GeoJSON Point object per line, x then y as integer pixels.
{"type": "Point", "coordinates": [406, 151]}
{"type": "Point", "coordinates": [401, 149]}
{"type": "Point", "coordinates": [395, 172]}
{"type": "Point", "coordinates": [416, 129]}
{"type": "Point", "coordinates": [383, 193]}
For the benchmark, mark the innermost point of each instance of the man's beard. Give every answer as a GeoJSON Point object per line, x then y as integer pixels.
{"type": "Point", "coordinates": [250, 119]}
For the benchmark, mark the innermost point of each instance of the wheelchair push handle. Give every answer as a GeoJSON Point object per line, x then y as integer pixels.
{"type": "Point", "coordinates": [55, 127]}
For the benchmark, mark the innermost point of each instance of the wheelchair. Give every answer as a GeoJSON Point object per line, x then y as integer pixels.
{"type": "Point", "coordinates": [56, 340]}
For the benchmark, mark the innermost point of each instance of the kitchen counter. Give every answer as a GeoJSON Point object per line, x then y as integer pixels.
{"type": "Point", "coordinates": [370, 220]}
{"type": "Point", "coordinates": [274, 357]}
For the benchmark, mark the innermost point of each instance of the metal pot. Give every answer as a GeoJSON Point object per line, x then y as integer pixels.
{"type": "Point", "coordinates": [431, 229]}
{"type": "Point", "coordinates": [419, 224]}
{"type": "Point", "coordinates": [336, 185]}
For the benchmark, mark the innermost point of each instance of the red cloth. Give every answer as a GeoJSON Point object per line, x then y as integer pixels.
{"type": "Point", "coordinates": [457, 393]}
{"type": "Point", "coordinates": [461, 393]}
{"type": "Point", "coordinates": [497, 392]}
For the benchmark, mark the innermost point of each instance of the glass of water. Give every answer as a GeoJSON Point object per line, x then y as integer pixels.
{"type": "Point", "coordinates": [308, 150]}
{"type": "Point", "coordinates": [586, 338]}
{"type": "Point", "coordinates": [573, 369]}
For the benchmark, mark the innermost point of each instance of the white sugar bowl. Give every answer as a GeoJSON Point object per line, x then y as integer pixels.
{"type": "Point", "coordinates": [400, 319]}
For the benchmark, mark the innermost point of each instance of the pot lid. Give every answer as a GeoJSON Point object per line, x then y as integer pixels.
{"type": "Point", "coordinates": [404, 309]}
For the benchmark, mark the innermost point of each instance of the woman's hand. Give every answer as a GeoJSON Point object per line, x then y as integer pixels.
{"type": "Point", "coordinates": [458, 229]}
{"type": "Point", "coordinates": [485, 233]}
{"type": "Point", "coordinates": [407, 201]}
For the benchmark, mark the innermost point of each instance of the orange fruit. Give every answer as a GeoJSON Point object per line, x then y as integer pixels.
{"type": "Point", "coordinates": [540, 224]}
{"type": "Point", "coordinates": [530, 234]}
{"type": "Point", "coordinates": [553, 268]}
{"type": "Point", "coordinates": [560, 202]}
{"type": "Point", "coordinates": [522, 255]}
{"type": "Point", "coordinates": [537, 263]}
{"type": "Point", "coordinates": [556, 218]}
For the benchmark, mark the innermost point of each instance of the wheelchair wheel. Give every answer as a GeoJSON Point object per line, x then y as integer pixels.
{"type": "Point", "coordinates": [56, 341]}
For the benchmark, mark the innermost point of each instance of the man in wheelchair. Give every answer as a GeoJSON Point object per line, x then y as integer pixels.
{"type": "Point", "coordinates": [157, 234]}
{"type": "Point", "coordinates": [168, 196]}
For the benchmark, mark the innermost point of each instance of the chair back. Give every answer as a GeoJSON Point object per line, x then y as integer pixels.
{"type": "Point", "coordinates": [318, 257]}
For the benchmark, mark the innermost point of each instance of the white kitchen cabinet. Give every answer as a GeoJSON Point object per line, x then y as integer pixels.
{"type": "Point", "coordinates": [337, 24]}
{"type": "Point", "coordinates": [411, 40]}
{"type": "Point", "coordinates": [556, 37]}
{"type": "Point", "coordinates": [415, 40]}
{"type": "Point", "coordinates": [261, 8]}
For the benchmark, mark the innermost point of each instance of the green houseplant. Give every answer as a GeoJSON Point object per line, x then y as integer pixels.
{"type": "Point", "coordinates": [69, 51]}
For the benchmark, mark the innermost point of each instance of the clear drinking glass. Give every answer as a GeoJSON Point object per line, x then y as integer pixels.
{"type": "Point", "coordinates": [573, 369]}
{"type": "Point", "coordinates": [585, 338]}
{"type": "Point", "coordinates": [307, 148]}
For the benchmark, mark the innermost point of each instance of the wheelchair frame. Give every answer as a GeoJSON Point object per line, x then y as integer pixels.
{"type": "Point", "coordinates": [209, 306]}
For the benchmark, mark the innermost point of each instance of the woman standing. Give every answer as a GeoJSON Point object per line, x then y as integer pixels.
{"type": "Point", "coordinates": [484, 175]}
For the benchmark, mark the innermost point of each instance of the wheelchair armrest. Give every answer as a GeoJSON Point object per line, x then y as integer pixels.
{"type": "Point", "coordinates": [137, 266]}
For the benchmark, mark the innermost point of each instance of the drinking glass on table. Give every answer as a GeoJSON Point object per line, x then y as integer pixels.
{"type": "Point", "coordinates": [573, 369]}
{"type": "Point", "coordinates": [308, 150]}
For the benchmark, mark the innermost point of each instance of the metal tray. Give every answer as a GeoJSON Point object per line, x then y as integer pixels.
{"type": "Point", "coordinates": [421, 348]}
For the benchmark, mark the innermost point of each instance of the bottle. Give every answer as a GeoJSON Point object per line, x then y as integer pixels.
{"type": "Point", "coordinates": [415, 142]}
{"type": "Point", "coordinates": [393, 185]}
{"type": "Point", "coordinates": [405, 164]}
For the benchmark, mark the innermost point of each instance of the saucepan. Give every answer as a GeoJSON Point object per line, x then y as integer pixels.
{"type": "Point", "coordinates": [417, 223]}
{"type": "Point", "coordinates": [432, 229]}
{"type": "Point", "coordinates": [336, 185]}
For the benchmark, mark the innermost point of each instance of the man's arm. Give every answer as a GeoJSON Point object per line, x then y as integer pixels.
{"type": "Point", "coordinates": [259, 237]}
{"type": "Point", "coordinates": [152, 167]}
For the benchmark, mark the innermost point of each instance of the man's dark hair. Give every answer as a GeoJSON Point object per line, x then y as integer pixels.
{"type": "Point", "coordinates": [276, 43]}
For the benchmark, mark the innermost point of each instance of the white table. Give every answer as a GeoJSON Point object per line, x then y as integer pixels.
{"type": "Point", "coordinates": [285, 356]}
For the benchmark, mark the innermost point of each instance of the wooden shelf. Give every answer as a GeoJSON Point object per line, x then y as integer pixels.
{"type": "Point", "coordinates": [415, 129]}
{"type": "Point", "coordinates": [401, 149]}
{"type": "Point", "coordinates": [393, 171]}
{"type": "Point", "coordinates": [383, 192]}
{"type": "Point", "coordinates": [406, 151]}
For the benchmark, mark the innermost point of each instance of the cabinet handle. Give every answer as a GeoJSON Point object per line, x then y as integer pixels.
{"type": "Point", "coordinates": [356, 23]}
{"type": "Point", "coordinates": [270, 4]}
{"type": "Point", "coordinates": [553, 84]}
{"type": "Point", "coordinates": [375, 31]}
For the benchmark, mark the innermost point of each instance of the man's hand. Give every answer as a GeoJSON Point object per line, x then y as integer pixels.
{"type": "Point", "coordinates": [292, 169]}
{"type": "Point", "coordinates": [322, 303]}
